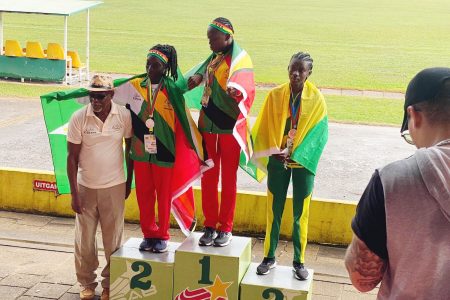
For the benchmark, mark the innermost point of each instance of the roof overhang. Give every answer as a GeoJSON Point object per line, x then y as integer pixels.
{"type": "Point", "coordinates": [46, 7]}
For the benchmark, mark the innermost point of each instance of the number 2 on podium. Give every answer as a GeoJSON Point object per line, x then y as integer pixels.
{"type": "Point", "coordinates": [137, 280]}
{"type": "Point", "coordinates": [268, 293]}
{"type": "Point", "coordinates": [206, 270]}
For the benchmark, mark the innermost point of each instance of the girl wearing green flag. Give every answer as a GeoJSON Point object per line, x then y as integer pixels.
{"type": "Point", "coordinates": [228, 94]}
{"type": "Point", "coordinates": [166, 148]}
{"type": "Point", "coordinates": [289, 136]}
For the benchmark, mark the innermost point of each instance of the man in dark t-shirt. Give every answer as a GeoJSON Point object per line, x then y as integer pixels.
{"type": "Point", "coordinates": [402, 223]}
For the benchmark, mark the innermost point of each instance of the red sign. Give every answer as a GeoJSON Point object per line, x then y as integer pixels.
{"type": "Point", "coordinates": [40, 185]}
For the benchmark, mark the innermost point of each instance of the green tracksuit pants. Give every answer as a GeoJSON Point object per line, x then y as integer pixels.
{"type": "Point", "coordinates": [278, 179]}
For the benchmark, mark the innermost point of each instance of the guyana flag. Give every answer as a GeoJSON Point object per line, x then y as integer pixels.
{"type": "Point", "coordinates": [240, 77]}
{"type": "Point", "coordinates": [190, 161]}
{"type": "Point", "coordinates": [312, 128]}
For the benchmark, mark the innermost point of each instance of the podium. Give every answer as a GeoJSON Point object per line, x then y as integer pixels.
{"type": "Point", "coordinates": [210, 272]}
{"type": "Point", "coordinates": [140, 274]}
{"type": "Point", "coordinates": [279, 284]}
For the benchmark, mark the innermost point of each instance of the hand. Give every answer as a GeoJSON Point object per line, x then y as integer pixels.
{"type": "Point", "coordinates": [284, 153]}
{"type": "Point", "coordinates": [194, 81]}
{"type": "Point", "coordinates": [76, 204]}
{"type": "Point", "coordinates": [127, 190]}
{"type": "Point", "coordinates": [234, 93]}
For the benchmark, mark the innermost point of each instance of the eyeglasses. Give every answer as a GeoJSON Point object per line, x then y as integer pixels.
{"type": "Point", "coordinates": [407, 137]}
{"type": "Point", "coordinates": [97, 96]}
{"type": "Point", "coordinates": [405, 134]}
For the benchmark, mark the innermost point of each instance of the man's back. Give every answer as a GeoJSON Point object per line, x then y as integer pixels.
{"type": "Point", "coordinates": [417, 204]}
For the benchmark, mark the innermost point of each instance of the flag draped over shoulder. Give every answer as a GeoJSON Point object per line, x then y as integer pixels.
{"type": "Point", "coordinates": [312, 128]}
{"type": "Point", "coordinates": [240, 77]}
{"type": "Point", "coordinates": [190, 160]}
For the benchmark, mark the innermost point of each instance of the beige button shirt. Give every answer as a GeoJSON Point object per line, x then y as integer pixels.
{"type": "Point", "coordinates": [101, 157]}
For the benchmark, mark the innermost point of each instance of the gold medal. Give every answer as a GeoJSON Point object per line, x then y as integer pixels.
{"type": "Point", "coordinates": [205, 96]}
{"type": "Point", "coordinates": [208, 91]}
{"type": "Point", "coordinates": [291, 133]}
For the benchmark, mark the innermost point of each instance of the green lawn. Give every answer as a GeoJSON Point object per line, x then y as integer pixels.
{"type": "Point", "coordinates": [365, 110]}
{"type": "Point", "coordinates": [340, 108]}
{"type": "Point", "coordinates": [14, 89]}
{"type": "Point", "coordinates": [349, 109]}
{"type": "Point", "coordinates": [355, 43]}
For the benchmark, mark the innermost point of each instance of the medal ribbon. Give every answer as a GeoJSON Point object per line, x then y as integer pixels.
{"type": "Point", "coordinates": [294, 109]}
{"type": "Point", "coordinates": [212, 67]}
{"type": "Point", "coordinates": [151, 96]}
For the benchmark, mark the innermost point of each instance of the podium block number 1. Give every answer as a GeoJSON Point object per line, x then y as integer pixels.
{"type": "Point", "coordinates": [137, 280]}
{"type": "Point", "coordinates": [205, 262]}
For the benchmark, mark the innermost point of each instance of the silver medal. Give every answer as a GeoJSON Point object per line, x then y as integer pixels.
{"type": "Point", "coordinates": [150, 123]}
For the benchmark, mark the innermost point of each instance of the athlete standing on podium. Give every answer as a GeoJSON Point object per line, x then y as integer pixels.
{"type": "Point", "coordinates": [289, 136]}
{"type": "Point", "coordinates": [165, 148]}
{"type": "Point", "coordinates": [228, 95]}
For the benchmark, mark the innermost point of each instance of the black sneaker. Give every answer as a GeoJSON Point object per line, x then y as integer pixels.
{"type": "Point", "coordinates": [300, 271]}
{"type": "Point", "coordinates": [147, 244]}
{"type": "Point", "coordinates": [208, 236]}
{"type": "Point", "coordinates": [160, 246]}
{"type": "Point", "coordinates": [266, 265]}
{"type": "Point", "coordinates": [222, 239]}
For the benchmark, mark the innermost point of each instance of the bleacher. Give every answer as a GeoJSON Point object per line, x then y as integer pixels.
{"type": "Point", "coordinates": [35, 63]}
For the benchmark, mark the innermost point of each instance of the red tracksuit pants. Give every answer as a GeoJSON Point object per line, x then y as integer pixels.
{"type": "Point", "coordinates": [153, 183]}
{"type": "Point", "coordinates": [224, 151]}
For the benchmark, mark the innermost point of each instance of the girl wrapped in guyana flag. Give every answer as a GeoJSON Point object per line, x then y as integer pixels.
{"type": "Point", "coordinates": [166, 147]}
{"type": "Point", "coordinates": [289, 136]}
{"type": "Point", "coordinates": [228, 94]}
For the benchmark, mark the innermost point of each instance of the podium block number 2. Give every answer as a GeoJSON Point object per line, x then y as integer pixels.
{"type": "Point", "coordinates": [137, 280]}
{"type": "Point", "coordinates": [205, 262]}
{"type": "Point", "coordinates": [268, 293]}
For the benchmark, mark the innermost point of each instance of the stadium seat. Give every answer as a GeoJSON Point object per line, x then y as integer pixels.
{"type": "Point", "coordinates": [76, 62]}
{"type": "Point", "coordinates": [12, 48]}
{"type": "Point", "coordinates": [77, 65]}
{"type": "Point", "coordinates": [55, 51]}
{"type": "Point", "coordinates": [34, 50]}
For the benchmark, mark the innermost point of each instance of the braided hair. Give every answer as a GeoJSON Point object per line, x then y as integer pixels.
{"type": "Point", "coordinates": [224, 21]}
{"type": "Point", "coordinates": [171, 54]}
{"type": "Point", "coordinates": [303, 56]}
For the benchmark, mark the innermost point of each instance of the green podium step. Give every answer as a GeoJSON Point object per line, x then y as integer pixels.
{"type": "Point", "coordinates": [141, 275]}
{"type": "Point", "coordinates": [210, 272]}
{"type": "Point", "coordinates": [279, 284]}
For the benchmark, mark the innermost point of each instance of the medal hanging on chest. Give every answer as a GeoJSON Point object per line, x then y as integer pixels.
{"type": "Point", "coordinates": [150, 138]}
{"type": "Point", "coordinates": [210, 70]}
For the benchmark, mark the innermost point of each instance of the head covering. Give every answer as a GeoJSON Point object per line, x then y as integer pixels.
{"type": "Point", "coordinates": [158, 54]}
{"type": "Point", "coordinates": [424, 87]}
{"type": "Point", "coordinates": [100, 83]}
{"type": "Point", "coordinates": [221, 27]}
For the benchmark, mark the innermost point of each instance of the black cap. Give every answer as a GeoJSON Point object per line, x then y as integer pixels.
{"type": "Point", "coordinates": [424, 87]}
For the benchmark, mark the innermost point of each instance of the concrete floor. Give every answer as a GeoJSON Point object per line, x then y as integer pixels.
{"type": "Point", "coordinates": [36, 260]}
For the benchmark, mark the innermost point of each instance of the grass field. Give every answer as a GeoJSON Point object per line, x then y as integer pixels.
{"type": "Point", "coordinates": [340, 108]}
{"type": "Point", "coordinates": [359, 44]}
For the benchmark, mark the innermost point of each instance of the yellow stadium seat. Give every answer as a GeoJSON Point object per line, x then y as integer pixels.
{"type": "Point", "coordinates": [74, 63]}
{"type": "Point", "coordinates": [55, 51]}
{"type": "Point", "coordinates": [12, 48]}
{"type": "Point", "coordinates": [34, 50]}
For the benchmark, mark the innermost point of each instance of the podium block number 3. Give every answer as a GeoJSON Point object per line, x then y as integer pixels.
{"type": "Point", "coordinates": [205, 262]}
{"type": "Point", "coordinates": [268, 293]}
{"type": "Point", "coordinates": [144, 270]}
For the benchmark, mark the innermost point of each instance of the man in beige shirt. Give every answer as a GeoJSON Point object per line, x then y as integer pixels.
{"type": "Point", "coordinates": [97, 180]}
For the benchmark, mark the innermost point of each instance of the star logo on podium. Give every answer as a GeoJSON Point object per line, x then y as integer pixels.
{"type": "Point", "coordinates": [219, 289]}
{"type": "Point", "coordinates": [216, 291]}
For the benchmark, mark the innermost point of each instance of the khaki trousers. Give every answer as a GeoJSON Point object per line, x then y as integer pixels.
{"type": "Point", "coordinates": [107, 207]}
